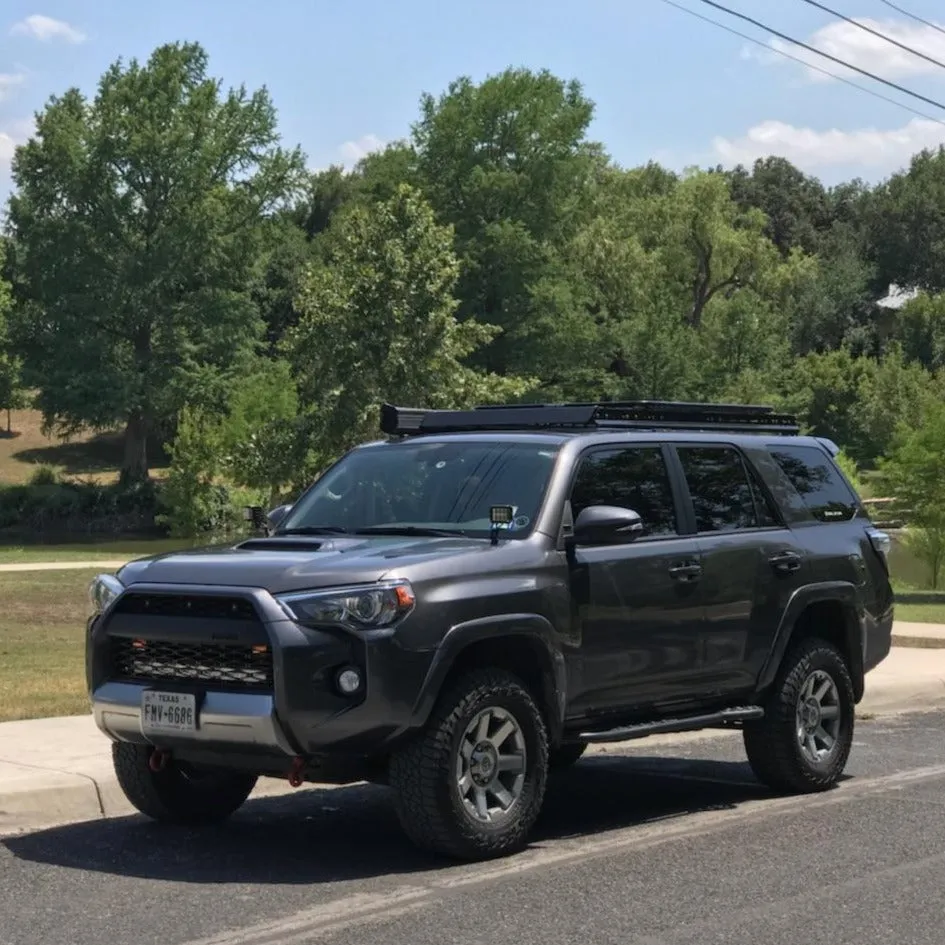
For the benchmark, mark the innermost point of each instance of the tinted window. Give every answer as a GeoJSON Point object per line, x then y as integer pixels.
{"type": "Point", "coordinates": [721, 492]}
{"type": "Point", "coordinates": [634, 479]}
{"type": "Point", "coordinates": [428, 484]}
{"type": "Point", "coordinates": [820, 486]}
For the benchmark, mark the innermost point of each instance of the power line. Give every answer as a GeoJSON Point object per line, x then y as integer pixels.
{"type": "Point", "coordinates": [869, 29]}
{"type": "Point", "coordinates": [787, 55]}
{"type": "Point", "coordinates": [819, 52]}
{"type": "Point", "coordinates": [912, 16]}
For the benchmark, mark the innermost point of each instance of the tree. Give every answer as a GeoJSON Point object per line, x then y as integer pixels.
{"type": "Point", "coordinates": [140, 216]}
{"type": "Point", "coordinates": [378, 323]}
{"type": "Point", "coordinates": [913, 474]}
{"type": "Point", "coordinates": [12, 395]}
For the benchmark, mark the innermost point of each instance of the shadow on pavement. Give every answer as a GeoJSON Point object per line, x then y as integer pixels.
{"type": "Point", "coordinates": [349, 833]}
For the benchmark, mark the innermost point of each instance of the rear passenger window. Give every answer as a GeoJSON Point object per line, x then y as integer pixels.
{"type": "Point", "coordinates": [821, 487]}
{"type": "Point", "coordinates": [634, 478]}
{"type": "Point", "coordinates": [721, 492]}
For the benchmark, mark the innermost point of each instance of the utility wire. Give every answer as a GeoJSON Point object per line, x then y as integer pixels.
{"type": "Point", "coordinates": [825, 55]}
{"type": "Point", "coordinates": [787, 55]}
{"type": "Point", "coordinates": [869, 29]}
{"type": "Point", "coordinates": [912, 16]}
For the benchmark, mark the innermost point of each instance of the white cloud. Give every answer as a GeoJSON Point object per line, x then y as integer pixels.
{"type": "Point", "coordinates": [810, 149]}
{"type": "Point", "coordinates": [7, 147]}
{"type": "Point", "coordinates": [12, 134]}
{"type": "Point", "coordinates": [353, 151]}
{"type": "Point", "coordinates": [8, 82]}
{"type": "Point", "coordinates": [859, 48]}
{"type": "Point", "coordinates": [46, 29]}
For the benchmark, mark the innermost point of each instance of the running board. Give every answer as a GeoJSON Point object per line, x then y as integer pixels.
{"type": "Point", "coordinates": [690, 723]}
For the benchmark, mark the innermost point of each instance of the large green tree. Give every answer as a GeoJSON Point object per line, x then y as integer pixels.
{"type": "Point", "coordinates": [378, 323]}
{"type": "Point", "coordinates": [12, 395]}
{"type": "Point", "coordinates": [139, 219]}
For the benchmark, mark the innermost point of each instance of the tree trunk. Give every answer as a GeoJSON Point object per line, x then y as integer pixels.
{"type": "Point", "coordinates": [9, 421]}
{"type": "Point", "coordinates": [135, 465]}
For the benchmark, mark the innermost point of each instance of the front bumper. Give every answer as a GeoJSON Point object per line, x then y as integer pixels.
{"type": "Point", "coordinates": [302, 713]}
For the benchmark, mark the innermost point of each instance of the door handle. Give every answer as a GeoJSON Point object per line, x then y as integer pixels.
{"type": "Point", "coordinates": [686, 572]}
{"type": "Point", "coordinates": [786, 562]}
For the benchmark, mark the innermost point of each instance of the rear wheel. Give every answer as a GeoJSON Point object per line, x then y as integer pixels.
{"type": "Point", "coordinates": [803, 743]}
{"type": "Point", "coordinates": [472, 783]}
{"type": "Point", "coordinates": [178, 793]}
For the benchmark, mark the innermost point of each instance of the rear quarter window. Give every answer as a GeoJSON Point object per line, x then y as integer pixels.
{"type": "Point", "coordinates": [818, 482]}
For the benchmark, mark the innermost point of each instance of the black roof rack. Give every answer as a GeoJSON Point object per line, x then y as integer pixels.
{"type": "Point", "coordinates": [638, 414]}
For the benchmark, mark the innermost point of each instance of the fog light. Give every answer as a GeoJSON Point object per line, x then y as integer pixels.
{"type": "Point", "coordinates": [348, 681]}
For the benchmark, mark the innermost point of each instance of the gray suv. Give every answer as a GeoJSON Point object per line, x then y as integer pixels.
{"type": "Point", "coordinates": [466, 605]}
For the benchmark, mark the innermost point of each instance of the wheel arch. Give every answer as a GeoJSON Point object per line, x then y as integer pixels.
{"type": "Point", "coordinates": [524, 644]}
{"type": "Point", "coordinates": [831, 611]}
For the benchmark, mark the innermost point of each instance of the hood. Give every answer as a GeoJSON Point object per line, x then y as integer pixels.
{"type": "Point", "coordinates": [297, 563]}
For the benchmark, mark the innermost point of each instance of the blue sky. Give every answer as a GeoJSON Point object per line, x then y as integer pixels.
{"type": "Point", "coordinates": [346, 77]}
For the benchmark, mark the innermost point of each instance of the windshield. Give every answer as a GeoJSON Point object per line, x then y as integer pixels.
{"type": "Point", "coordinates": [434, 487]}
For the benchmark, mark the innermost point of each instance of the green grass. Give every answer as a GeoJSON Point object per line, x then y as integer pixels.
{"type": "Point", "coordinates": [96, 551]}
{"type": "Point", "coordinates": [42, 656]}
{"type": "Point", "coordinates": [921, 613]}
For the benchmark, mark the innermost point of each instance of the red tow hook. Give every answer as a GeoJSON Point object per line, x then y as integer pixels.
{"type": "Point", "coordinates": [158, 760]}
{"type": "Point", "coordinates": [295, 772]}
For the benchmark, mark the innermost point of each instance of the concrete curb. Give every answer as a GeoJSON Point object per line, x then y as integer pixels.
{"type": "Point", "coordinates": [918, 642]}
{"type": "Point", "coordinates": [105, 565]}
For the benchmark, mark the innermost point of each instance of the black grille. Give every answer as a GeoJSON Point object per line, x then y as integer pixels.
{"type": "Point", "coordinates": [218, 665]}
{"type": "Point", "coordinates": [177, 605]}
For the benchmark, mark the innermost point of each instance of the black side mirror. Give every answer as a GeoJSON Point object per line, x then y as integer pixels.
{"type": "Point", "coordinates": [600, 524]}
{"type": "Point", "coordinates": [277, 515]}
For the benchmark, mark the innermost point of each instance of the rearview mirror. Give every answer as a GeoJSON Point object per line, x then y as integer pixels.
{"type": "Point", "coordinates": [277, 515]}
{"type": "Point", "coordinates": [599, 524]}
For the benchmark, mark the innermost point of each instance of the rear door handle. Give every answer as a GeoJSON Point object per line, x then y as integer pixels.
{"type": "Point", "coordinates": [686, 572]}
{"type": "Point", "coordinates": [786, 562]}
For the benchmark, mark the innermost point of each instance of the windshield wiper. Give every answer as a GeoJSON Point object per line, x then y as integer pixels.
{"type": "Point", "coordinates": [409, 530]}
{"type": "Point", "coordinates": [314, 530]}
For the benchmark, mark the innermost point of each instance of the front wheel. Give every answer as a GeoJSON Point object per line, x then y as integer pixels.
{"type": "Point", "coordinates": [178, 793]}
{"type": "Point", "coordinates": [472, 783]}
{"type": "Point", "coordinates": [803, 742]}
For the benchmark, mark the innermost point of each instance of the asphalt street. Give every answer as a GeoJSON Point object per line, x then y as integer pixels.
{"type": "Point", "coordinates": [662, 843]}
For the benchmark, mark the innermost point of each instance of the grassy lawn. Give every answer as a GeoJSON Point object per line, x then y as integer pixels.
{"type": "Point", "coordinates": [92, 456]}
{"type": "Point", "coordinates": [42, 660]}
{"type": "Point", "coordinates": [921, 613]}
{"type": "Point", "coordinates": [99, 551]}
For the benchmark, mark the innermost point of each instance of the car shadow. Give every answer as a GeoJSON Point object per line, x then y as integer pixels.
{"type": "Point", "coordinates": [318, 835]}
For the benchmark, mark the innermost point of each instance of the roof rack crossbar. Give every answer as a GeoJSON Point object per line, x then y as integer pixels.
{"type": "Point", "coordinates": [653, 415]}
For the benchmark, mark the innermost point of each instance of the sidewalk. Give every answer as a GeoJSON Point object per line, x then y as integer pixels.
{"type": "Point", "coordinates": [55, 771]}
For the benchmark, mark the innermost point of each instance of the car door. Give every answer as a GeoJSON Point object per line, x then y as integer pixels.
{"type": "Point", "coordinates": [751, 563]}
{"type": "Point", "coordinates": [637, 601]}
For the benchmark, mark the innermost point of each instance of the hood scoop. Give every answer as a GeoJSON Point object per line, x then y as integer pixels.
{"type": "Point", "coordinates": [282, 544]}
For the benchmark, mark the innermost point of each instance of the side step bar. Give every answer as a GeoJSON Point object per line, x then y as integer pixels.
{"type": "Point", "coordinates": [685, 724]}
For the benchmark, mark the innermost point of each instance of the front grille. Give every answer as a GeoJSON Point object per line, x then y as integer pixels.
{"type": "Point", "coordinates": [179, 605]}
{"type": "Point", "coordinates": [218, 665]}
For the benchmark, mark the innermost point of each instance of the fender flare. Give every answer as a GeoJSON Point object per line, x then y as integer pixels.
{"type": "Point", "coordinates": [842, 592]}
{"type": "Point", "coordinates": [536, 629]}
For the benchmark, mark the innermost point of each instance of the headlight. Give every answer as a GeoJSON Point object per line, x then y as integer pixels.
{"type": "Point", "coordinates": [366, 607]}
{"type": "Point", "coordinates": [102, 592]}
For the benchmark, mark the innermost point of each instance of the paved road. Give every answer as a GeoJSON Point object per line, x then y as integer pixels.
{"type": "Point", "coordinates": [664, 847]}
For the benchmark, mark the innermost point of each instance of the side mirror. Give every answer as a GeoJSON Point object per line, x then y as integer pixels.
{"type": "Point", "coordinates": [277, 515]}
{"type": "Point", "coordinates": [600, 524]}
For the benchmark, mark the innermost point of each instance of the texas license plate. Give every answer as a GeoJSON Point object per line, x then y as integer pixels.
{"type": "Point", "coordinates": [168, 713]}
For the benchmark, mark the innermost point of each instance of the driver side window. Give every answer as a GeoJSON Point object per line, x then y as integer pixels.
{"type": "Point", "coordinates": [631, 478]}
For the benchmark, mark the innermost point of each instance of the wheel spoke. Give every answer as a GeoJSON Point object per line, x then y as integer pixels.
{"type": "Point", "coordinates": [823, 689]}
{"type": "Point", "coordinates": [465, 783]}
{"type": "Point", "coordinates": [467, 749]}
{"type": "Point", "coordinates": [514, 764]}
{"type": "Point", "coordinates": [504, 732]}
{"type": "Point", "coordinates": [828, 740]}
{"type": "Point", "coordinates": [483, 730]}
{"type": "Point", "coordinates": [830, 712]}
{"type": "Point", "coordinates": [808, 688]}
{"type": "Point", "coordinates": [482, 807]}
{"type": "Point", "coordinates": [503, 797]}
{"type": "Point", "coordinates": [811, 744]}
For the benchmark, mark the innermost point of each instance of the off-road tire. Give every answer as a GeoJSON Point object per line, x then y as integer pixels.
{"type": "Point", "coordinates": [772, 743]}
{"type": "Point", "coordinates": [174, 795]}
{"type": "Point", "coordinates": [422, 773]}
{"type": "Point", "coordinates": [566, 755]}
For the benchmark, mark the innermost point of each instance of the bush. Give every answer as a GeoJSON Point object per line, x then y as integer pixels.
{"type": "Point", "coordinates": [45, 475]}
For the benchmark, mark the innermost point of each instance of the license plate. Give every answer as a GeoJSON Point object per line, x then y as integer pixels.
{"type": "Point", "coordinates": [168, 713]}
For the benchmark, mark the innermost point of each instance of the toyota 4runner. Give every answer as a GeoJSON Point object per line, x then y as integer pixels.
{"type": "Point", "coordinates": [467, 604]}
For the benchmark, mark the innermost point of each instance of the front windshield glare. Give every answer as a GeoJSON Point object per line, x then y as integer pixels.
{"type": "Point", "coordinates": [422, 485]}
